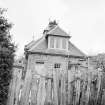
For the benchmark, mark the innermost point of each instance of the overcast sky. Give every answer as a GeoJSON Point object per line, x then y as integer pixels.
{"type": "Point", "coordinates": [84, 20]}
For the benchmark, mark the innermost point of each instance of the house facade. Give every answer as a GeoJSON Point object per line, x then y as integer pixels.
{"type": "Point", "coordinates": [50, 64]}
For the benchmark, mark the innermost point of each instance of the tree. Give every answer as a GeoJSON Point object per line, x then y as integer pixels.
{"type": "Point", "coordinates": [7, 52]}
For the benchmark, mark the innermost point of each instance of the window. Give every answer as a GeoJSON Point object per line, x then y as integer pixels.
{"type": "Point", "coordinates": [57, 65]}
{"type": "Point", "coordinates": [57, 43]}
{"type": "Point", "coordinates": [64, 43]}
{"type": "Point", "coordinates": [51, 42]}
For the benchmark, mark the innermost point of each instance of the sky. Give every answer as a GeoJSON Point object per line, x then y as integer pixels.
{"type": "Point", "coordinates": [84, 20]}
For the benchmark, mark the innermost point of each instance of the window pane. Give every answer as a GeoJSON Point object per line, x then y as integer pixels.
{"type": "Point", "coordinates": [64, 43]}
{"type": "Point", "coordinates": [52, 42]}
{"type": "Point", "coordinates": [57, 43]}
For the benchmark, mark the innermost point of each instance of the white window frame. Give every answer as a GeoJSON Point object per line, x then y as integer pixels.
{"type": "Point", "coordinates": [59, 45]}
{"type": "Point", "coordinates": [49, 43]}
{"type": "Point", "coordinates": [66, 45]}
{"type": "Point", "coordinates": [55, 41]}
{"type": "Point", "coordinates": [62, 44]}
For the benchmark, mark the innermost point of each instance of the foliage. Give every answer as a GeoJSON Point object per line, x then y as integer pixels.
{"type": "Point", "coordinates": [7, 52]}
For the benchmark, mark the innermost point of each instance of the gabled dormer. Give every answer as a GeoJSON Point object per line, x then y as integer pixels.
{"type": "Point", "coordinates": [57, 38]}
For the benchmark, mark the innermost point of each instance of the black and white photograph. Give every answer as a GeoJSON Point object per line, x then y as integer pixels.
{"type": "Point", "coordinates": [52, 52]}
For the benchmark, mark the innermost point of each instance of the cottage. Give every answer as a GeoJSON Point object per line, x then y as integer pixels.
{"type": "Point", "coordinates": [49, 62]}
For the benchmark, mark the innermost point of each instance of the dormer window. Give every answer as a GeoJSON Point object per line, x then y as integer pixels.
{"type": "Point", "coordinates": [52, 42]}
{"type": "Point", "coordinates": [64, 43]}
{"type": "Point", "coordinates": [58, 43]}
{"type": "Point", "coordinates": [58, 40]}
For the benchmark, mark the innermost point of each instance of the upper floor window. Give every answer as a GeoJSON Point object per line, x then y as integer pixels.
{"type": "Point", "coordinates": [64, 43]}
{"type": "Point", "coordinates": [58, 42]}
{"type": "Point", "coordinates": [51, 42]}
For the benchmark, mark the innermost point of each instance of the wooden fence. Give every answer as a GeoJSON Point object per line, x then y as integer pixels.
{"type": "Point", "coordinates": [80, 86]}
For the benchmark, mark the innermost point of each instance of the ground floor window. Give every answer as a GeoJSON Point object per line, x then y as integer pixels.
{"type": "Point", "coordinates": [57, 65]}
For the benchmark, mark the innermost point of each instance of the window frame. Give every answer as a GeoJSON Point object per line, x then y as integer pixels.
{"type": "Point", "coordinates": [57, 65]}
{"type": "Point", "coordinates": [50, 46]}
{"type": "Point", "coordinates": [55, 43]}
{"type": "Point", "coordinates": [64, 44]}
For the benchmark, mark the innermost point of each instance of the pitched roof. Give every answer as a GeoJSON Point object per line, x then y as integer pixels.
{"type": "Point", "coordinates": [57, 31]}
{"type": "Point", "coordinates": [41, 46]}
{"type": "Point", "coordinates": [74, 50]}
{"type": "Point", "coordinates": [32, 43]}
